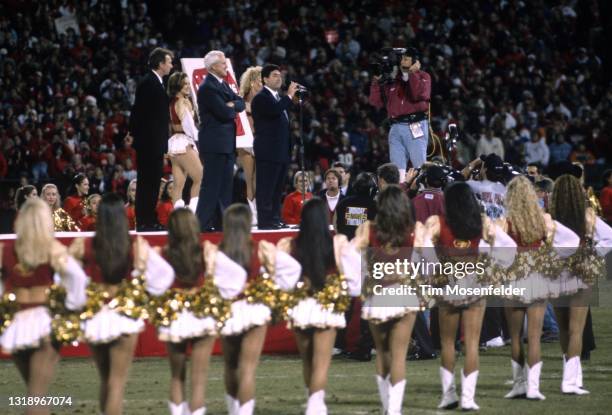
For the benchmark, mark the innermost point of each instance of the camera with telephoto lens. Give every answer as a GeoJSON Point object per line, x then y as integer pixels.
{"type": "Point", "coordinates": [382, 63]}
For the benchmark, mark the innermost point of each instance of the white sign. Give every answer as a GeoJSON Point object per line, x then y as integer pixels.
{"type": "Point", "coordinates": [195, 70]}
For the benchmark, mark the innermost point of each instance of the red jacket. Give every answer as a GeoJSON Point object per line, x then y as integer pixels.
{"type": "Point", "coordinates": [292, 207]}
{"type": "Point", "coordinates": [404, 97]}
{"type": "Point", "coordinates": [163, 212]}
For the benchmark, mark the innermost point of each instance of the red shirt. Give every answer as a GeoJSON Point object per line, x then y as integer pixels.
{"type": "Point", "coordinates": [88, 223]}
{"type": "Point", "coordinates": [428, 203]}
{"type": "Point", "coordinates": [163, 212]}
{"type": "Point", "coordinates": [404, 97]}
{"type": "Point", "coordinates": [75, 206]}
{"type": "Point", "coordinates": [292, 207]}
{"type": "Point", "coordinates": [130, 212]}
{"type": "Point", "coordinates": [606, 203]}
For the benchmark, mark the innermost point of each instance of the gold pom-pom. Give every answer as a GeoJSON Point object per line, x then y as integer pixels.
{"type": "Point", "coordinates": [202, 302]}
{"type": "Point", "coordinates": [131, 299]}
{"type": "Point", "coordinates": [65, 323]}
{"type": "Point", "coordinates": [8, 308]}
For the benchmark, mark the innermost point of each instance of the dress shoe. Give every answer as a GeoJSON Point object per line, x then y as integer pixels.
{"type": "Point", "coordinates": [268, 227]}
{"type": "Point", "coordinates": [156, 227]}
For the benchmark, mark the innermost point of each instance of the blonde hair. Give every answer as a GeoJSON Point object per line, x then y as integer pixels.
{"type": "Point", "coordinates": [523, 210]}
{"type": "Point", "coordinates": [249, 76]}
{"type": "Point", "coordinates": [34, 228]}
{"type": "Point", "coordinates": [90, 200]}
{"type": "Point", "coordinates": [57, 203]}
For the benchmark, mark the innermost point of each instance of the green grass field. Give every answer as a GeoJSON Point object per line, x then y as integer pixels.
{"type": "Point", "coordinates": [351, 389]}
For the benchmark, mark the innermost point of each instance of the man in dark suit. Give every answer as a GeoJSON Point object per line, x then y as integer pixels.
{"type": "Point", "coordinates": [218, 106]}
{"type": "Point", "coordinates": [272, 145]}
{"type": "Point", "coordinates": [149, 121]}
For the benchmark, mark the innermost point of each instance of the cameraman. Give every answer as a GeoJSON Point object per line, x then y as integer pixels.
{"type": "Point", "coordinates": [407, 103]}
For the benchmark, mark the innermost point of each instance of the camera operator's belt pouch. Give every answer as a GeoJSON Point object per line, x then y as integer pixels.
{"type": "Point", "coordinates": [409, 118]}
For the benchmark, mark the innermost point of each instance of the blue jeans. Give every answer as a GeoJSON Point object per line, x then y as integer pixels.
{"type": "Point", "coordinates": [550, 323]}
{"type": "Point", "coordinates": [403, 146]}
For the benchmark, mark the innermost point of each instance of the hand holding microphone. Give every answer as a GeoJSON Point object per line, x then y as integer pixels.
{"type": "Point", "coordinates": [293, 88]}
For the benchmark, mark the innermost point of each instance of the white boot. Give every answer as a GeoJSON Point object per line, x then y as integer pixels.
{"type": "Point", "coordinates": [179, 204]}
{"type": "Point", "coordinates": [450, 400]}
{"type": "Point", "coordinates": [396, 398]}
{"type": "Point", "coordinates": [519, 386]}
{"type": "Point", "coordinates": [247, 408]}
{"type": "Point", "coordinates": [468, 390]}
{"type": "Point", "coordinates": [571, 370]}
{"type": "Point", "coordinates": [200, 411]}
{"type": "Point", "coordinates": [193, 204]}
{"type": "Point", "coordinates": [253, 206]}
{"type": "Point", "coordinates": [232, 405]}
{"type": "Point", "coordinates": [533, 381]}
{"type": "Point", "coordinates": [177, 408]}
{"type": "Point", "coordinates": [383, 392]}
{"type": "Point", "coordinates": [316, 404]}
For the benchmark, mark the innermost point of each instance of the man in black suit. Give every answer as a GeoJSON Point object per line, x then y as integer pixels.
{"type": "Point", "coordinates": [149, 121]}
{"type": "Point", "coordinates": [272, 145]}
{"type": "Point", "coordinates": [218, 106]}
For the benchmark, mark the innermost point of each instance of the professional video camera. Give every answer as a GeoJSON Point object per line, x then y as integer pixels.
{"type": "Point", "coordinates": [382, 63]}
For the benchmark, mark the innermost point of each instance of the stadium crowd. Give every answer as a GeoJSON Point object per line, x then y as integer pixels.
{"type": "Point", "coordinates": [522, 80]}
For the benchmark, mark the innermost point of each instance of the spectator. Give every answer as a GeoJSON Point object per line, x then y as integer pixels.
{"type": "Point", "coordinates": [488, 144]}
{"type": "Point", "coordinates": [560, 150]}
{"type": "Point", "coordinates": [357, 208]}
{"type": "Point", "coordinates": [582, 155]}
{"type": "Point", "coordinates": [387, 174]}
{"type": "Point", "coordinates": [292, 206]}
{"type": "Point", "coordinates": [332, 194]}
{"type": "Point", "coordinates": [536, 150]}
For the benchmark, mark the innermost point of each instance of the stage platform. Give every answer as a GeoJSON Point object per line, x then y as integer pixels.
{"type": "Point", "coordinates": [279, 340]}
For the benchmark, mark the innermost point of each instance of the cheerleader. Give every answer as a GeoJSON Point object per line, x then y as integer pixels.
{"type": "Point", "coordinates": [130, 206]}
{"type": "Point", "coordinates": [186, 324]}
{"type": "Point", "coordinates": [27, 274]}
{"type": "Point", "coordinates": [465, 234]}
{"type": "Point", "coordinates": [88, 222]}
{"type": "Point", "coordinates": [534, 231]}
{"type": "Point", "coordinates": [323, 298]}
{"type": "Point", "coordinates": [76, 202]}
{"type": "Point", "coordinates": [182, 147]}
{"type": "Point", "coordinates": [568, 206]}
{"type": "Point", "coordinates": [389, 237]}
{"type": "Point", "coordinates": [250, 85]}
{"type": "Point", "coordinates": [61, 219]}
{"type": "Point", "coordinates": [117, 300]}
{"type": "Point", "coordinates": [243, 334]}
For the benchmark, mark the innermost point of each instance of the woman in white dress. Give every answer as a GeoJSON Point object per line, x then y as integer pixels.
{"type": "Point", "coordinates": [569, 207]}
{"type": "Point", "coordinates": [121, 275]}
{"type": "Point", "coordinates": [244, 332]}
{"type": "Point", "coordinates": [537, 236]}
{"type": "Point", "coordinates": [250, 85]}
{"type": "Point", "coordinates": [182, 145]}
{"type": "Point", "coordinates": [28, 270]}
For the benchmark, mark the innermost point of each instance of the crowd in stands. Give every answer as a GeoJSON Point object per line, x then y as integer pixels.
{"type": "Point", "coordinates": [524, 80]}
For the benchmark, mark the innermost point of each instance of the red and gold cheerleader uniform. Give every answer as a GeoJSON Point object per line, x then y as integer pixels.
{"type": "Point", "coordinates": [26, 318]}
{"type": "Point", "coordinates": [113, 310]}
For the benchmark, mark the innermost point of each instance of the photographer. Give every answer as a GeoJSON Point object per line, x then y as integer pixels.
{"type": "Point", "coordinates": [430, 201]}
{"type": "Point", "coordinates": [406, 99]}
{"type": "Point", "coordinates": [488, 184]}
